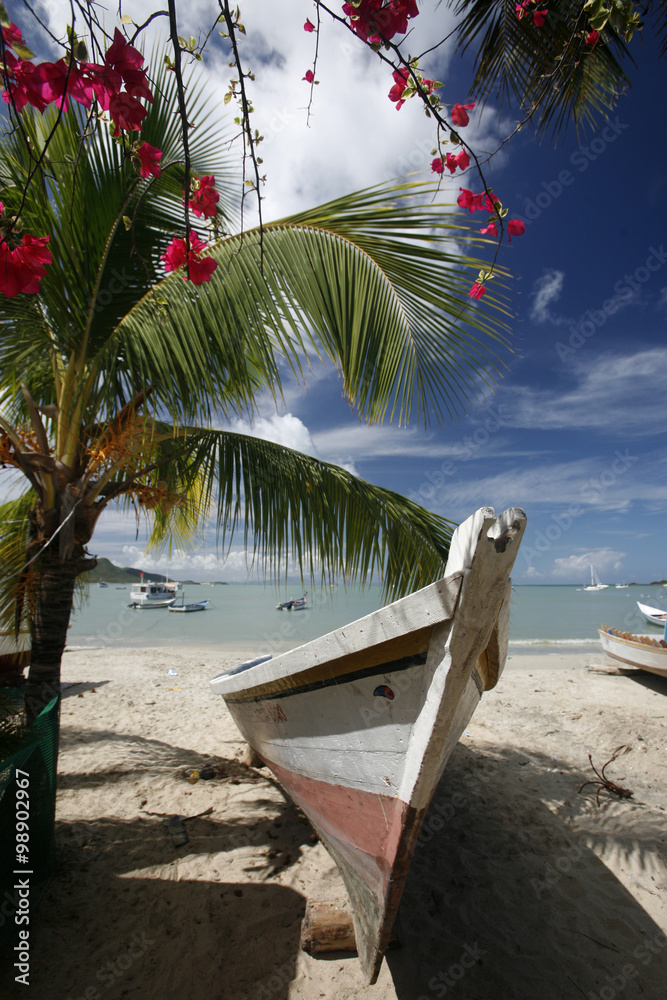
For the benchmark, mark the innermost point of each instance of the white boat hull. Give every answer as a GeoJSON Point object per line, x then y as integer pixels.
{"type": "Point", "coordinates": [359, 724]}
{"type": "Point", "coordinates": [653, 615]}
{"type": "Point", "coordinates": [642, 651]}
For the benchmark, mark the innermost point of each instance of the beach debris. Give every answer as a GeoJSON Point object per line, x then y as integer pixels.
{"type": "Point", "coordinates": [602, 781]}
{"type": "Point", "coordinates": [175, 824]}
{"type": "Point", "coordinates": [171, 672]}
{"type": "Point", "coordinates": [192, 775]}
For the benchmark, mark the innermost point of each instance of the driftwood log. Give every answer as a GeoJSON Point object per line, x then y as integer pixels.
{"type": "Point", "coordinates": [326, 927]}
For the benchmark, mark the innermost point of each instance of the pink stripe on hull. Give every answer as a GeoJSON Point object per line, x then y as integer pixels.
{"type": "Point", "coordinates": [366, 822]}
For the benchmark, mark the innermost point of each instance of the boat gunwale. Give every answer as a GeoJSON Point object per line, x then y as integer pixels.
{"type": "Point", "coordinates": [317, 655]}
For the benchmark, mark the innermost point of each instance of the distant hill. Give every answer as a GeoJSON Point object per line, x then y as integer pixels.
{"type": "Point", "coordinates": [108, 573]}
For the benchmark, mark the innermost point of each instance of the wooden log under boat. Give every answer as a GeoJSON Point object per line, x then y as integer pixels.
{"type": "Point", "coordinates": [359, 724]}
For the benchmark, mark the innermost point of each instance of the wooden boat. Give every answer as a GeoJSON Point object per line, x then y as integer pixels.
{"type": "Point", "coordinates": [595, 581]}
{"type": "Point", "coordinates": [295, 604]}
{"type": "Point", "coordinates": [358, 724]}
{"type": "Point", "coordinates": [653, 615]}
{"type": "Point", "coordinates": [197, 606]}
{"type": "Point", "coordinates": [14, 653]}
{"type": "Point", "coordinates": [646, 652]}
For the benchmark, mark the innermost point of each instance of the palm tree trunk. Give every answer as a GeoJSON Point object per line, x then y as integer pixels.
{"type": "Point", "coordinates": [53, 607]}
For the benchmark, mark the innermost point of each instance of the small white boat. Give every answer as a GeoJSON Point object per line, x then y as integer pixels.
{"type": "Point", "coordinates": [653, 615]}
{"type": "Point", "coordinates": [197, 606]}
{"type": "Point", "coordinates": [103, 584]}
{"type": "Point", "coordinates": [154, 595]}
{"type": "Point", "coordinates": [595, 581]}
{"type": "Point", "coordinates": [646, 652]}
{"type": "Point", "coordinates": [622, 586]}
{"type": "Point", "coordinates": [295, 604]}
{"type": "Point", "coordinates": [358, 725]}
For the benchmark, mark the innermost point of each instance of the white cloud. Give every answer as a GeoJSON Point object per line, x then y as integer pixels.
{"type": "Point", "coordinates": [547, 290]}
{"type": "Point", "coordinates": [614, 393]}
{"type": "Point", "coordinates": [578, 567]}
{"type": "Point", "coordinates": [285, 429]}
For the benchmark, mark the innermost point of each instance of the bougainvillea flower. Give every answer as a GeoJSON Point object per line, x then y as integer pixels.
{"type": "Point", "coordinates": [309, 77]}
{"type": "Point", "coordinates": [460, 115]}
{"type": "Point", "coordinates": [462, 159]}
{"type": "Point", "coordinates": [149, 158]}
{"type": "Point", "coordinates": [203, 197]}
{"type": "Point", "coordinates": [12, 36]}
{"type": "Point", "coordinates": [592, 38]}
{"type": "Point", "coordinates": [539, 17]}
{"type": "Point", "coordinates": [126, 113]}
{"type": "Point", "coordinates": [22, 268]}
{"type": "Point", "coordinates": [122, 56]}
{"type": "Point", "coordinates": [520, 10]}
{"type": "Point", "coordinates": [57, 82]}
{"type": "Point", "coordinates": [24, 87]}
{"type": "Point", "coordinates": [375, 20]}
{"type": "Point", "coordinates": [401, 77]}
{"type": "Point", "coordinates": [437, 166]}
{"type": "Point", "coordinates": [477, 291]}
{"type": "Point", "coordinates": [201, 268]}
{"type": "Point", "coordinates": [490, 229]}
{"type": "Point", "coordinates": [309, 26]}
{"type": "Point", "coordinates": [515, 227]}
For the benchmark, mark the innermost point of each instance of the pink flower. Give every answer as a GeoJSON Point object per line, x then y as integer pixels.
{"type": "Point", "coordinates": [460, 115]}
{"type": "Point", "coordinates": [458, 160]}
{"type": "Point", "coordinates": [203, 197]}
{"type": "Point", "coordinates": [462, 159]}
{"type": "Point", "coordinates": [477, 291]}
{"type": "Point", "coordinates": [22, 268]}
{"type": "Point", "coordinates": [539, 17]}
{"type": "Point", "coordinates": [374, 20]}
{"type": "Point", "coordinates": [309, 26]}
{"type": "Point", "coordinates": [126, 113]}
{"type": "Point", "coordinates": [201, 268]}
{"type": "Point", "coordinates": [12, 36]}
{"type": "Point", "coordinates": [401, 77]}
{"type": "Point", "coordinates": [521, 9]}
{"type": "Point", "coordinates": [24, 85]}
{"type": "Point", "coordinates": [149, 158]}
{"type": "Point", "coordinates": [437, 166]}
{"type": "Point", "coordinates": [490, 229]}
{"type": "Point", "coordinates": [592, 38]}
{"type": "Point", "coordinates": [309, 77]}
{"type": "Point", "coordinates": [515, 227]}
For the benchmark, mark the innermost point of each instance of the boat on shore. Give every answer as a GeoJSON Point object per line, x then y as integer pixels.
{"type": "Point", "coordinates": [646, 652]}
{"type": "Point", "coordinates": [595, 581]}
{"type": "Point", "coordinates": [653, 615]}
{"type": "Point", "coordinates": [358, 724]}
{"type": "Point", "coordinates": [186, 608]}
{"type": "Point", "coordinates": [14, 653]}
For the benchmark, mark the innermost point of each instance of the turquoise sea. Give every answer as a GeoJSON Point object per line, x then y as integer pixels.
{"type": "Point", "coordinates": [544, 619]}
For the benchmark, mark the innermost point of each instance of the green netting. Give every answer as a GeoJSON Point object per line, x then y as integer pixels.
{"type": "Point", "coordinates": [38, 758]}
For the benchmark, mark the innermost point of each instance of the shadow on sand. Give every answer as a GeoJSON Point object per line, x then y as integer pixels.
{"type": "Point", "coordinates": [506, 898]}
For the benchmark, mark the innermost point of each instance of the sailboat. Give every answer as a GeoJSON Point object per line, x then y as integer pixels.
{"type": "Point", "coordinates": [595, 581]}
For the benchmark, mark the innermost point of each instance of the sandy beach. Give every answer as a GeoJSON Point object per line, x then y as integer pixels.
{"type": "Point", "coordinates": [521, 887]}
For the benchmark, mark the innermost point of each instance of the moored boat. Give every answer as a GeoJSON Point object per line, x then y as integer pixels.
{"type": "Point", "coordinates": [595, 581]}
{"type": "Point", "coordinates": [653, 615]}
{"type": "Point", "coordinates": [646, 652]}
{"type": "Point", "coordinates": [359, 724]}
{"type": "Point", "coordinates": [197, 606]}
{"type": "Point", "coordinates": [295, 604]}
{"type": "Point", "coordinates": [154, 594]}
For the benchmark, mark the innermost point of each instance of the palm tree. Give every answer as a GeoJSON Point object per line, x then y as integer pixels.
{"type": "Point", "coordinates": [117, 383]}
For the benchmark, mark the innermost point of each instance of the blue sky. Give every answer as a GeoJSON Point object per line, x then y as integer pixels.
{"type": "Point", "coordinates": [575, 432]}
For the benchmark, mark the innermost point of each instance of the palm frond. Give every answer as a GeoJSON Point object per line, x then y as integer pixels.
{"type": "Point", "coordinates": [548, 70]}
{"type": "Point", "coordinates": [15, 577]}
{"type": "Point", "coordinates": [291, 510]}
{"type": "Point", "coordinates": [374, 281]}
